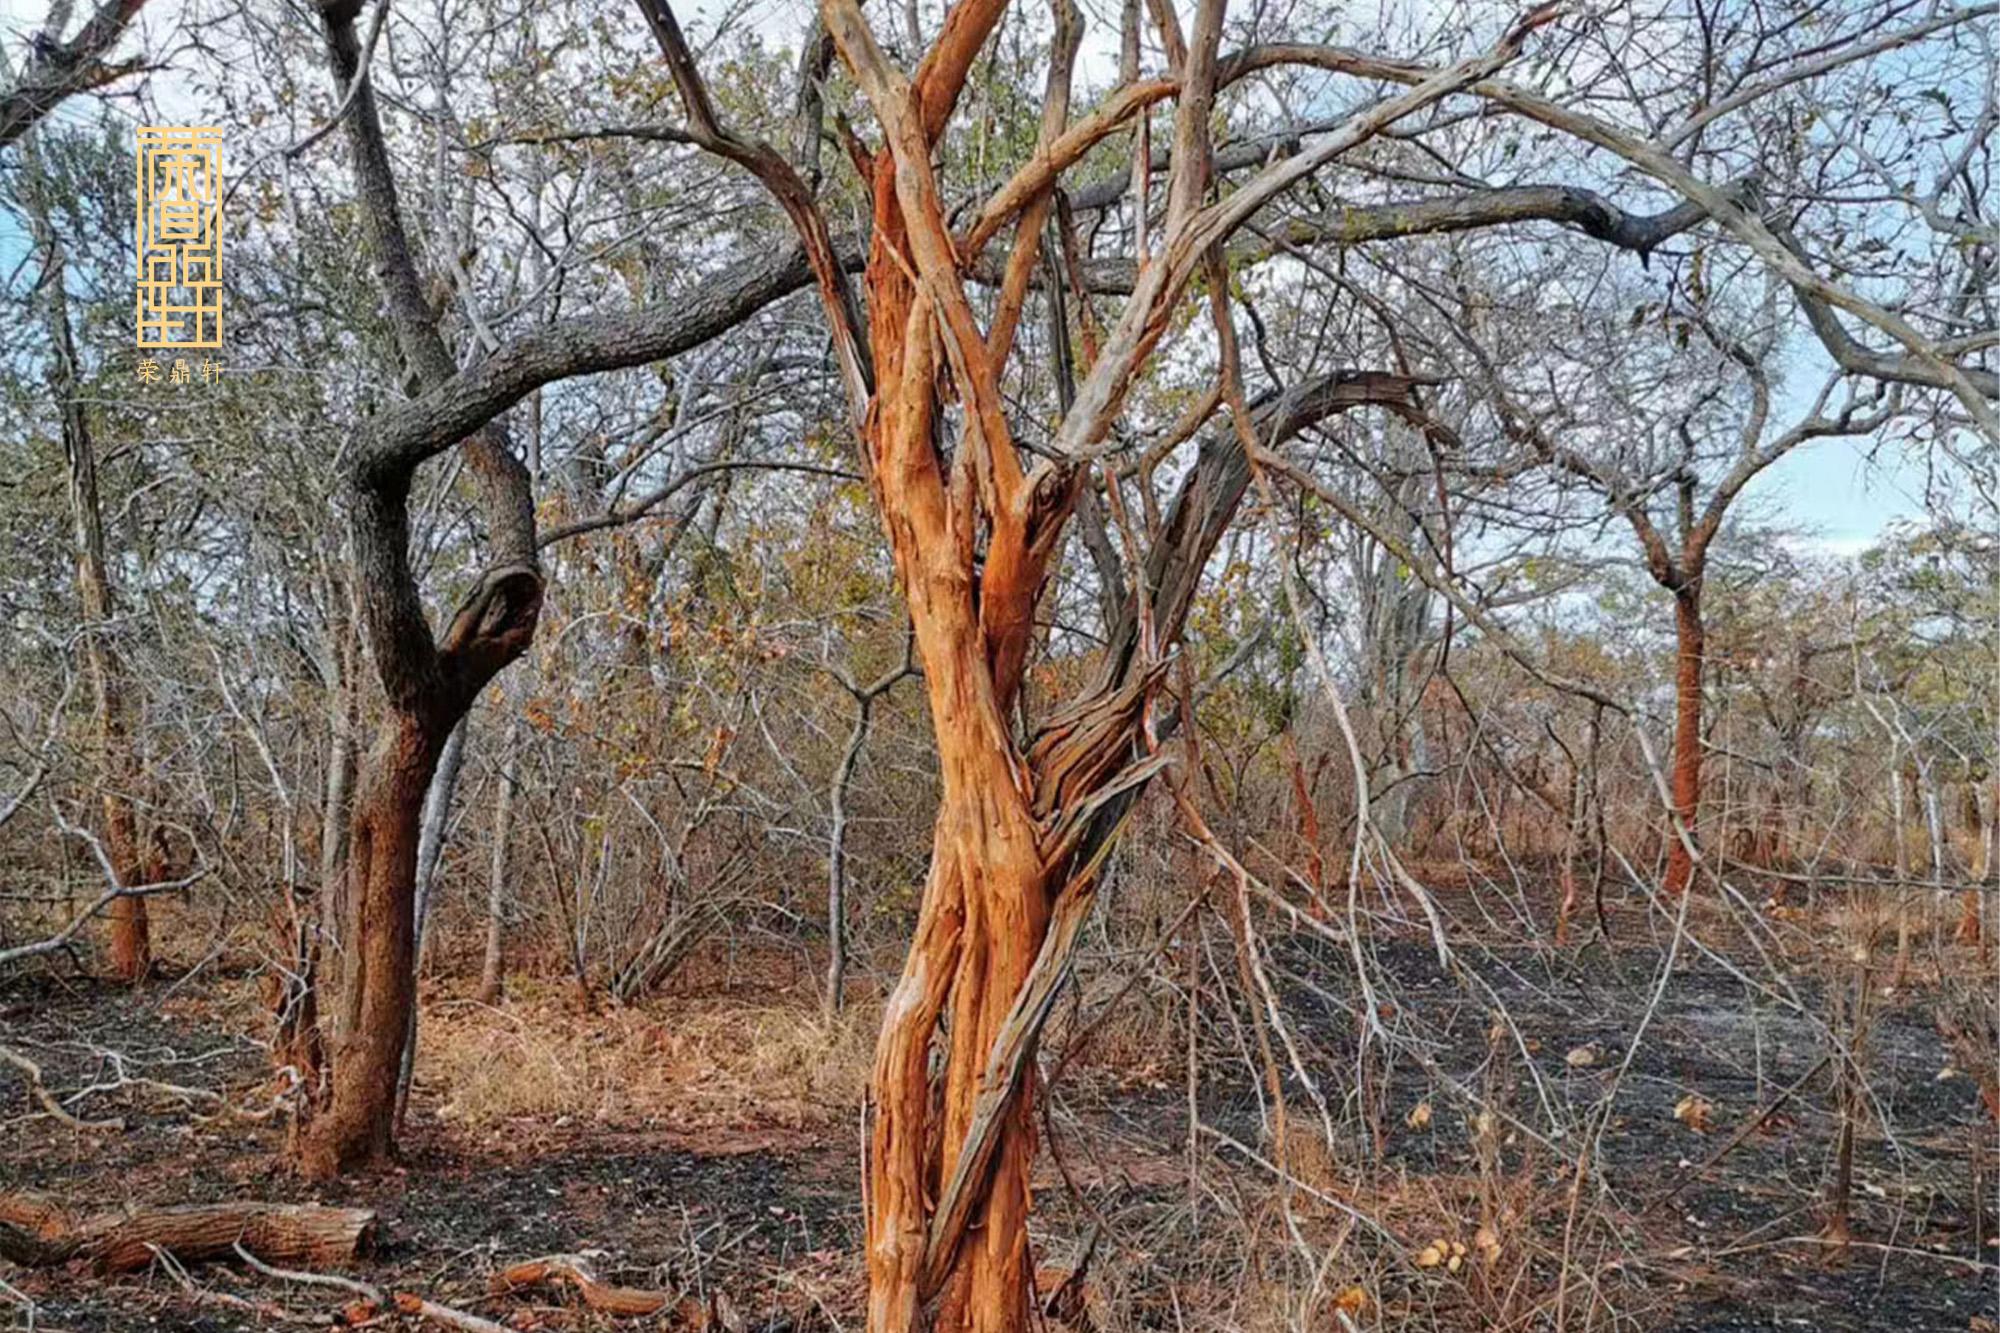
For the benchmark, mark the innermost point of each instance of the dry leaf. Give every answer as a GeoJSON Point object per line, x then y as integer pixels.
{"type": "Point", "coordinates": [1487, 1242]}
{"type": "Point", "coordinates": [1419, 1116]}
{"type": "Point", "coordinates": [1353, 1300]}
{"type": "Point", "coordinates": [1694, 1111]}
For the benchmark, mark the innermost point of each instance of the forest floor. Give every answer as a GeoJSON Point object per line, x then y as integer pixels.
{"type": "Point", "coordinates": [708, 1142]}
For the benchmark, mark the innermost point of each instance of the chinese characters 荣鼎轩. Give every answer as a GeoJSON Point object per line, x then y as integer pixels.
{"type": "Point", "coordinates": [179, 233]}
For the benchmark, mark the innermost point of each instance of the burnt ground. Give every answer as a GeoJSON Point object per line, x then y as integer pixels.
{"type": "Point", "coordinates": [765, 1212]}
{"type": "Point", "coordinates": [766, 1217]}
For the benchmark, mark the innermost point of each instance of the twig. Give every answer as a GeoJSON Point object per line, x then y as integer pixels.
{"type": "Point", "coordinates": [48, 1100]}
{"type": "Point", "coordinates": [557, 1270]}
{"type": "Point", "coordinates": [351, 1285]}
{"type": "Point", "coordinates": [411, 1304]}
{"type": "Point", "coordinates": [111, 894]}
{"type": "Point", "coordinates": [264, 1309]}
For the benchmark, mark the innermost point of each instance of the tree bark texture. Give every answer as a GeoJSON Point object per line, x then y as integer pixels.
{"type": "Point", "coordinates": [1690, 652]}
{"type": "Point", "coordinates": [379, 983]}
{"type": "Point", "coordinates": [37, 1232]}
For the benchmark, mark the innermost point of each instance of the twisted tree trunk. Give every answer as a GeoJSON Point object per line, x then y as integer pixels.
{"type": "Point", "coordinates": [429, 684]}
{"type": "Point", "coordinates": [974, 523]}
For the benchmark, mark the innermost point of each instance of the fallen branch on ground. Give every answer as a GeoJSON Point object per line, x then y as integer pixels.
{"type": "Point", "coordinates": [372, 1298]}
{"type": "Point", "coordinates": [37, 1232]}
{"type": "Point", "coordinates": [557, 1270]}
{"type": "Point", "coordinates": [445, 1314]}
{"type": "Point", "coordinates": [262, 1309]}
{"type": "Point", "coordinates": [41, 1093]}
{"type": "Point", "coordinates": [1748, 1128]}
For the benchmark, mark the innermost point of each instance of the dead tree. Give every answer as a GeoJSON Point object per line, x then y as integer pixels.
{"type": "Point", "coordinates": [865, 697]}
{"type": "Point", "coordinates": [131, 940]}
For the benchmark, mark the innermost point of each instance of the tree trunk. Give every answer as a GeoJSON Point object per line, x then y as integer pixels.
{"type": "Point", "coordinates": [313, 919]}
{"type": "Point", "coordinates": [336, 804]}
{"type": "Point", "coordinates": [493, 971]}
{"type": "Point", "coordinates": [1574, 811]}
{"type": "Point", "coordinates": [430, 849]}
{"type": "Point", "coordinates": [1899, 820]}
{"type": "Point", "coordinates": [1795, 788]}
{"type": "Point", "coordinates": [131, 941]}
{"type": "Point", "coordinates": [1985, 827]}
{"type": "Point", "coordinates": [836, 861]}
{"type": "Point", "coordinates": [984, 912]}
{"type": "Point", "coordinates": [378, 989]}
{"type": "Point", "coordinates": [1307, 814]}
{"type": "Point", "coordinates": [1851, 1023]}
{"type": "Point", "coordinates": [131, 937]}
{"type": "Point", "coordinates": [1691, 648]}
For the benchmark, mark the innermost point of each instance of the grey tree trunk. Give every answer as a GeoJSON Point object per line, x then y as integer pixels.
{"type": "Point", "coordinates": [836, 860]}
{"type": "Point", "coordinates": [430, 846]}
{"type": "Point", "coordinates": [336, 805]}
{"type": "Point", "coordinates": [493, 971]}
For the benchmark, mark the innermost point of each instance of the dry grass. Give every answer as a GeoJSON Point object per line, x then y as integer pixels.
{"type": "Point", "coordinates": [695, 1063]}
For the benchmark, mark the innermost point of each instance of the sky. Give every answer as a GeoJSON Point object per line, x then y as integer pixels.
{"type": "Point", "coordinates": [1836, 495]}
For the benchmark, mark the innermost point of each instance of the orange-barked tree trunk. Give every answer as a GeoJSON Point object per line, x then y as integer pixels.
{"type": "Point", "coordinates": [1024, 822]}
{"type": "Point", "coordinates": [1690, 656]}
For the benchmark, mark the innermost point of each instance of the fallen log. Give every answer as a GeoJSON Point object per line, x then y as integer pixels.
{"type": "Point", "coordinates": [559, 1270]}
{"type": "Point", "coordinates": [38, 1232]}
